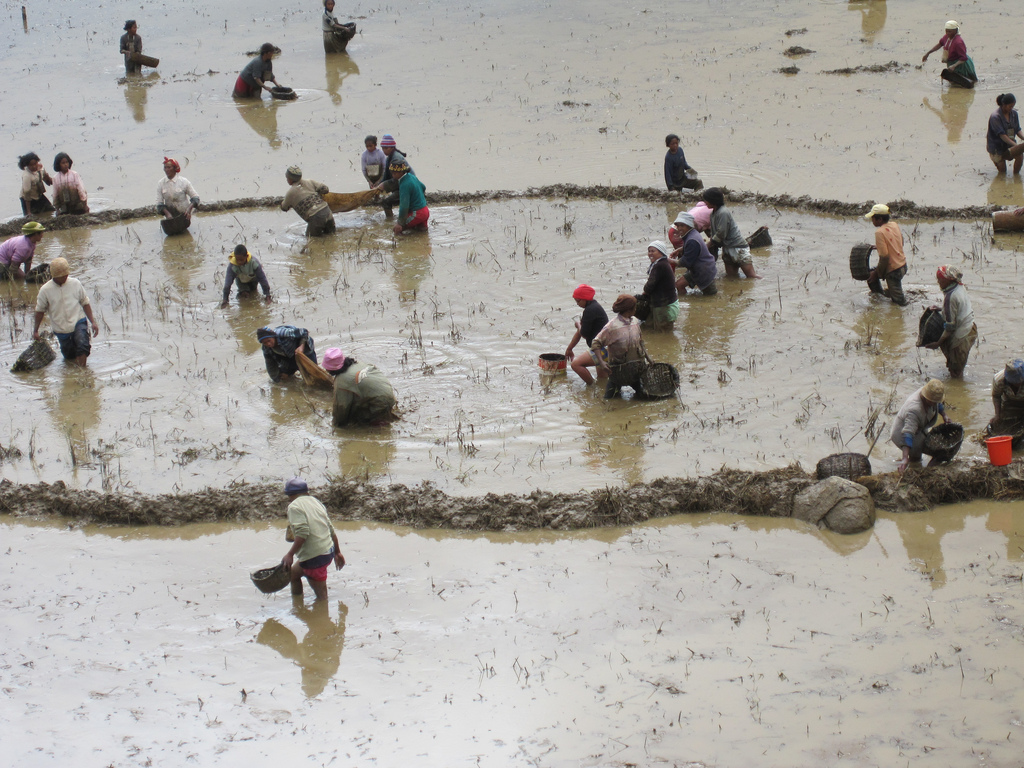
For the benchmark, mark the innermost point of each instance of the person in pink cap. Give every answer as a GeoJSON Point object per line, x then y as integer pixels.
{"type": "Point", "coordinates": [362, 393]}
{"type": "Point", "coordinates": [587, 327]}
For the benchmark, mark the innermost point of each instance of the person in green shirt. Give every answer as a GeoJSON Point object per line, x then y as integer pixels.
{"type": "Point", "coordinates": [412, 204]}
{"type": "Point", "coordinates": [314, 545]}
{"type": "Point", "coordinates": [362, 393]}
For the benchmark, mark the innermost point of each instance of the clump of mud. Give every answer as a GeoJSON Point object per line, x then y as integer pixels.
{"type": "Point", "coordinates": [892, 66]}
{"type": "Point", "coordinates": [790, 70]}
{"type": "Point", "coordinates": [768, 494]}
{"type": "Point", "coordinates": [796, 50]}
{"type": "Point", "coordinates": [801, 31]}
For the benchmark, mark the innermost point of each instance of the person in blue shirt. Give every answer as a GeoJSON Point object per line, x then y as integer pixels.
{"type": "Point", "coordinates": [675, 164]}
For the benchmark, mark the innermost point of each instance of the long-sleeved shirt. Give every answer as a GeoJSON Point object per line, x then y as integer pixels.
{"type": "Point", "coordinates": [250, 272]}
{"type": "Point", "coordinates": [32, 184]}
{"type": "Point", "coordinates": [64, 303]}
{"type": "Point", "coordinates": [660, 288]}
{"type": "Point", "coordinates": [724, 229]}
{"type": "Point", "coordinates": [288, 340]}
{"type": "Point", "coordinates": [68, 185]}
{"type": "Point", "coordinates": [675, 167]}
{"type": "Point", "coordinates": [698, 259]}
{"type": "Point", "coordinates": [957, 312]}
{"type": "Point", "coordinates": [410, 195]}
{"type": "Point", "coordinates": [361, 394]}
{"type": "Point", "coordinates": [622, 339]}
{"type": "Point", "coordinates": [176, 194]}
{"type": "Point", "coordinates": [18, 250]}
{"type": "Point", "coordinates": [913, 418]}
{"type": "Point", "coordinates": [309, 521]}
{"type": "Point", "coordinates": [305, 197]}
{"type": "Point", "coordinates": [1004, 395]}
{"type": "Point", "coordinates": [373, 164]}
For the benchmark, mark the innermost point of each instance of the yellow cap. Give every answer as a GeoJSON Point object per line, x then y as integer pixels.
{"type": "Point", "coordinates": [877, 210]}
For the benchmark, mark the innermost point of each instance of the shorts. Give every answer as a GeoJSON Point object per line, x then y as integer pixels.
{"type": "Point", "coordinates": [417, 218]}
{"type": "Point", "coordinates": [599, 355]}
{"type": "Point", "coordinates": [315, 569]}
{"type": "Point", "coordinates": [736, 256]}
{"type": "Point", "coordinates": [1001, 157]}
{"type": "Point", "coordinates": [76, 343]}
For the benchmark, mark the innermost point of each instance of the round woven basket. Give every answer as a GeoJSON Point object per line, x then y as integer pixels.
{"type": "Point", "coordinates": [760, 238]}
{"type": "Point", "coordinates": [846, 465]}
{"type": "Point", "coordinates": [860, 266]}
{"type": "Point", "coordinates": [175, 226]}
{"type": "Point", "coordinates": [929, 330]}
{"type": "Point", "coordinates": [273, 579]}
{"type": "Point", "coordinates": [659, 380]}
{"type": "Point", "coordinates": [283, 92]}
{"type": "Point", "coordinates": [943, 442]}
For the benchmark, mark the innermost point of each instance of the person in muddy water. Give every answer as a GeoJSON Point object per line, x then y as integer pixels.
{"type": "Point", "coordinates": [660, 288]}
{"type": "Point", "coordinates": [619, 349]}
{"type": "Point", "coordinates": [175, 195]}
{"type": "Point", "coordinates": [700, 271]}
{"type": "Point", "coordinates": [954, 53]}
{"type": "Point", "coordinates": [253, 78]}
{"type": "Point", "coordinates": [336, 34]}
{"type": "Point", "coordinates": [412, 203]}
{"type": "Point", "coordinates": [372, 161]}
{"type": "Point", "coordinates": [305, 196]}
{"type": "Point", "coordinates": [959, 332]}
{"type": "Point", "coordinates": [725, 234]}
{"type": "Point", "coordinates": [245, 271]}
{"type": "Point", "coordinates": [131, 43]}
{"type": "Point", "coordinates": [1003, 132]}
{"type": "Point", "coordinates": [918, 414]}
{"type": "Point", "coordinates": [390, 149]}
{"type": "Point", "coordinates": [1008, 394]}
{"type": "Point", "coordinates": [16, 253]}
{"type": "Point", "coordinates": [279, 347]}
{"type": "Point", "coordinates": [362, 393]}
{"type": "Point", "coordinates": [892, 263]}
{"type": "Point", "coordinates": [65, 300]}
{"type": "Point", "coordinates": [594, 318]}
{"type": "Point", "coordinates": [675, 164]}
{"type": "Point", "coordinates": [315, 544]}
{"type": "Point", "coordinates": [34, 181]}
{"type": "Point", "coordinates": [68, 190]}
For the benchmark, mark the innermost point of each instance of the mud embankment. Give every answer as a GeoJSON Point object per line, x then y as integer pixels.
{"type": "Point", "coordinates": [906, 209]}
{"type": "Point", "coordinates": [767, 494]}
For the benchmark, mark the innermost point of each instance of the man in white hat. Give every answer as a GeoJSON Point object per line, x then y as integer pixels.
{"type": "Point", "coordinates": [65, 300]}
{"type": "Point", "coordinates": [892, 263]}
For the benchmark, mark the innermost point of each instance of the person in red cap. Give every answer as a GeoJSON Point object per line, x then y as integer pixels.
{"type": "Point", "coordinates": [587, 327]}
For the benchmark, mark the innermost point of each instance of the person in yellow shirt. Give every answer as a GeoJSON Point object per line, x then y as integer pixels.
{"type": "Point", "coordinates": [314, 545]}
{"type": "Point", "coordinates": [892, 263]}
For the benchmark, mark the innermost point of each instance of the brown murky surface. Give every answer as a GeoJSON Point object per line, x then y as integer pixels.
{"type": "Point", "coordinates": [714, 641]}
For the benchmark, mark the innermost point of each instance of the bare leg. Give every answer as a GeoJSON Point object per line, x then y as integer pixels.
{"type": "Point", "coordinates": [1000, 166]}
{"type": "Point", "coordinates": [81, 359]}
{"type": "Point", "coordinates": [296, 579]}
{"type": "Point", "coordinates": [731, 269]}
{"type": "Point", "coordinates": [749, 271]}
{"type": "Point", "coordinates": [1017, 164]}
{"type": "Point", "coordinates": [580, 367]}
{"type": "Point", "coordinates": [319, 589]}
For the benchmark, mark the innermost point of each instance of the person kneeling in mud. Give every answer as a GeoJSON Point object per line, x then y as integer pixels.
{"type": "Point", "coordinates": [305, 196]}
{"type": "Point", "coordinates": [619, 348]}
{"type": "Point", "coordinates": [245, 271]}
{"type": "Point", "coordinates": [1008, 394]}
{"type": "Point", "coordinates": [725, 234]}
{"type": "Point", "coordinates": [315, 544]}
{"type": "Point", "coordinates": [412, 204]}
{"type": "Point", "coordinates": [362, 393]}
{"type": "Point", "coordinates": [918, 414]}
{"type": "Point", "coordinates": [892, 263]}
{"type": "Point", "coordinates": [279, 347]}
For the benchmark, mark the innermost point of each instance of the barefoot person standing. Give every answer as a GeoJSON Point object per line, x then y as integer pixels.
{"type": "Point", "coordinates": [892, 262]}
{"type": "Point", "coordinates": [315, 544]}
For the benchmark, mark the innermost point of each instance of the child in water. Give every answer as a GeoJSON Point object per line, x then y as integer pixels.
{"type": "Point", "coordinates": [373, 161]}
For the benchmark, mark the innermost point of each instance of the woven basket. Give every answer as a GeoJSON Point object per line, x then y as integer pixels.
{"type": "Point", "coordinates": [627, 374]}
{"type": "Point", "coordinates": [760, 238]}
{"type": "Point", "coordinates": [860, 266]}
{"type": "Point", "coordinates": [283, 92]}
{"type": "Point", "coordinates": [659, 380]}
{"type": "Point", "coordinates": [269, 580]}
{"type": "Point", "coordinates": [643, 308]}
{"type": "Point", "coordinates": [175, 226]}
{"type": "Point", "coordinates": [943, 442]}
{"type": "Point", "coordinates": [929, 330]}
{"type": "Point", "coordinates": [39, 274]}
{"type": "Point", "coordinates": [846, 465]}
{"type": "Point", "coordinates": [38, 355]}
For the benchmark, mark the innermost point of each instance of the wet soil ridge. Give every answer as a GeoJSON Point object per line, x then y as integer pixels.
{"type": "Point", "coordinates": [906, 209]}
{"type": "Point", "coordinates": [768, 494]}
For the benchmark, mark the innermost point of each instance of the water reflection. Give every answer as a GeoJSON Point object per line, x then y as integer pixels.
{"type": "Point", "coordinates": [1007, 190]}
{"type": "Point", "coordinates": [136, 91]}
{"type": "Point", "coordinates": [872, 16]}
{"type": "Point", "coordinates": [261, 116]}
{"type": "Point", "coordinates": [318, 654]}
{"type": "Point", "coordinates": [412, 258]}
{"type": "Point", "coordinates": [616, 433]}
{"type": "Point", "coordinates": [366, 457]}
{"type": "Point", "coordinates": [956, 104]}
{"type": "Point", "coordinates": [75, 406]}
{"type": "Point", "coordinates": [338, 66]}
{"type": "Point", "coordinates": [709, 322]}
{"type": "Point", "coordinates": [880, 330]}
{"type": "Point", "coordinates": [181, 261]}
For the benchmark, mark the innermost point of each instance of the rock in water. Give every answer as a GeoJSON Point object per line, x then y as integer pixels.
{"type": "Point", "coordinates": [836, 503]}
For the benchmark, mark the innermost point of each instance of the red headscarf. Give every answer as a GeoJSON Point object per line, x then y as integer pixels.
{"type": "Point", "coordinates": [951, 273]}
{"type": "Point", "coordinates": [173, 162]}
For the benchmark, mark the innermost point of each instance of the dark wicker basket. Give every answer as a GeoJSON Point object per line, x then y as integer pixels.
{"type": "Point", "coordinates": [273, 579]}
{"type": "Point", "coordinates": [39, 274]}
{"type": "Point", "coordinates": [760, 238]}
{"type": "Point", "coordinates": [627, 374]}
{"type": "Point", "coordinates": [846, 465]}
{"type": "Point", "coordinates": [943, 442]}
{"type": "Point", "coordinates": [283, 92]}
{"type": "Point", "coordinates": [860, 264]}
{"type": "Point", "coordinates": [929, 330]}
{"type": "Point", "coordinates": [659, 380]}
{"type": "Point", "coordinates": [38, 355]}
{"type": "Point", "coordinates": [175, 226]}
{"type": "Point", "coordinates": [643, 308]}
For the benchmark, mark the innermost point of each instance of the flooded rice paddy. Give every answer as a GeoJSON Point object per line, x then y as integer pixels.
{"type": "Point", "coordinates": [701, 641]}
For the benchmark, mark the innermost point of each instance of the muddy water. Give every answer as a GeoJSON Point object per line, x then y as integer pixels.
{"type": "Point", "coordinates": [784, 369]}
{"type": "Point", "coordinates": [717, 641]}
{"type": "Point", "coordinates": [511, 95]}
